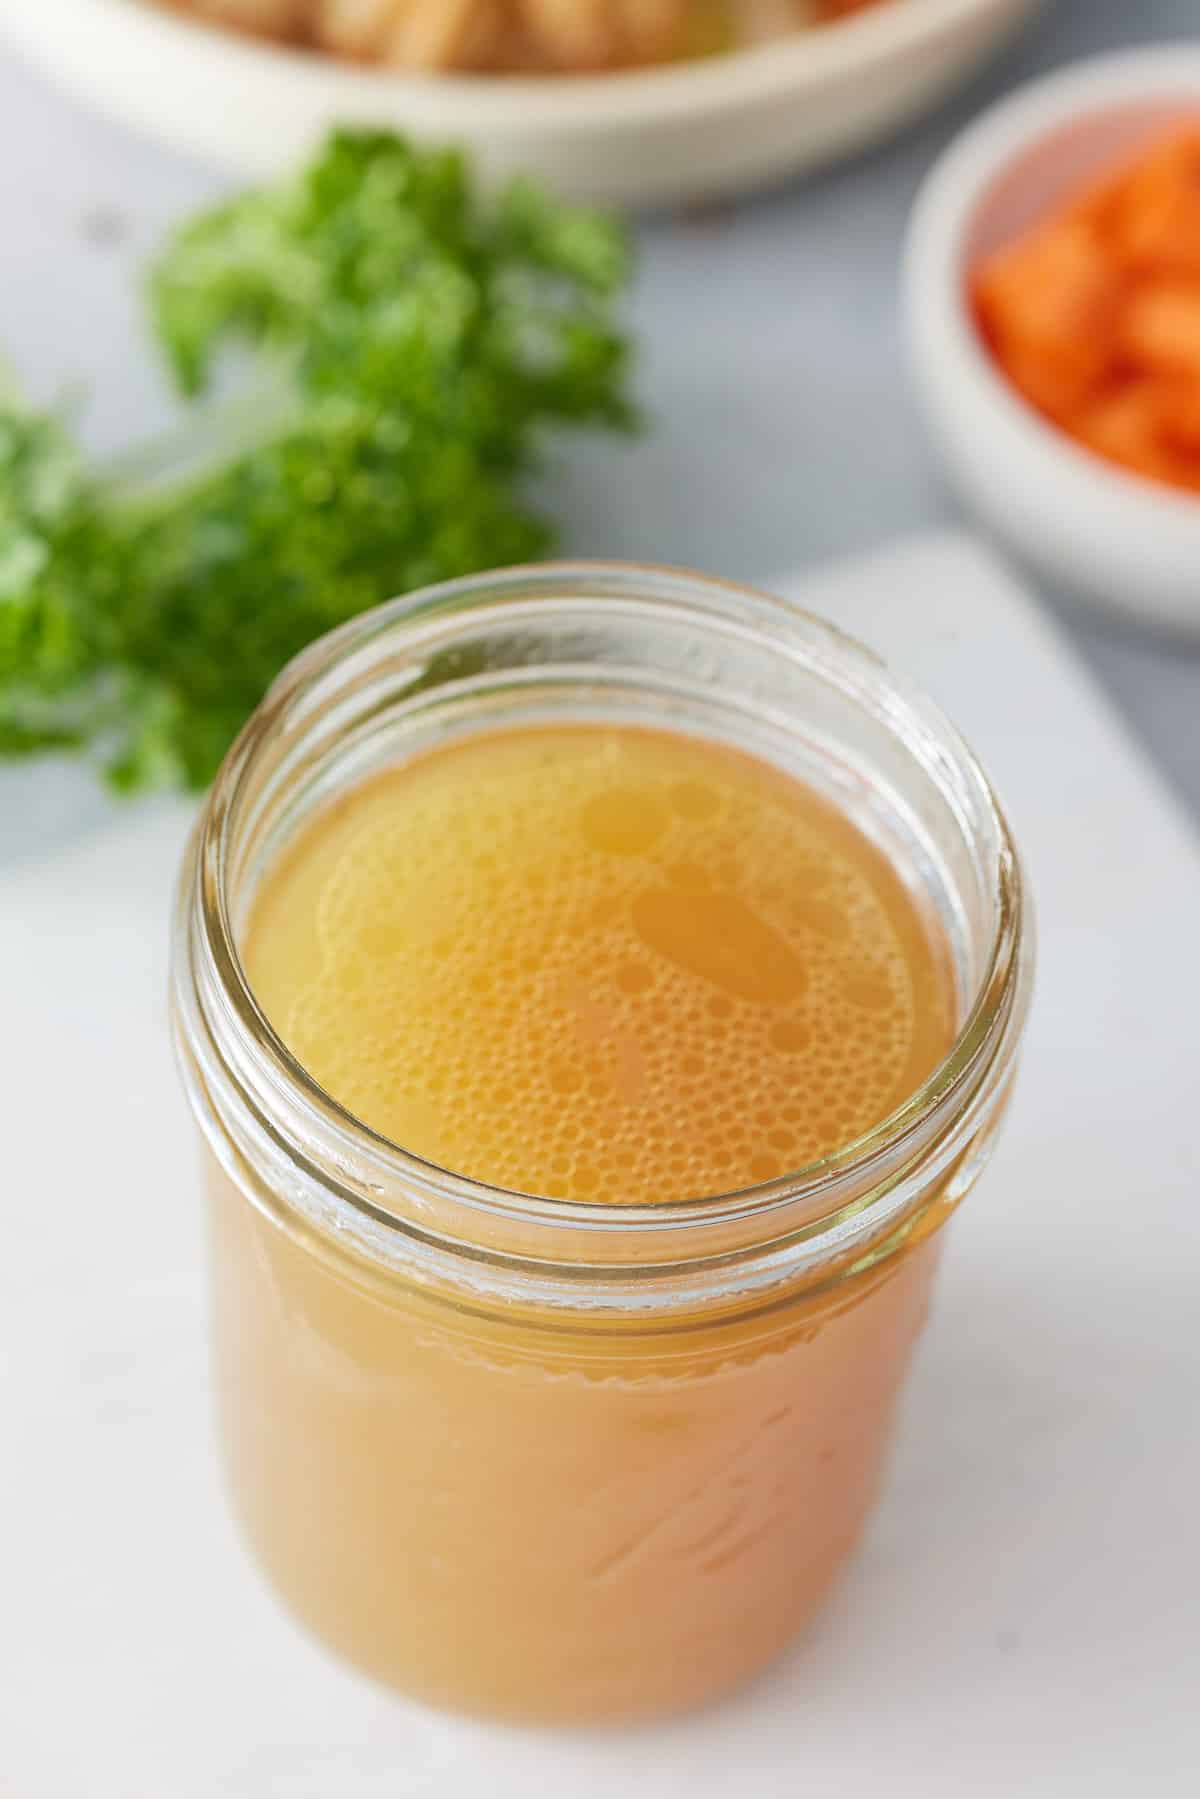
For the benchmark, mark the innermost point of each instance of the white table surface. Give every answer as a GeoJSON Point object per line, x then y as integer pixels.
{"type": "Point", "coordinates": [1022, 1622]}
{"type": "Point", "coordinates": [785, 432]}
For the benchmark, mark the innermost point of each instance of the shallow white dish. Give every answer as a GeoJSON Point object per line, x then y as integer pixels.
{"type": "Point", "coordinates": [1128, 544]}
{"type": "Point", "coordinates": [691, 131]}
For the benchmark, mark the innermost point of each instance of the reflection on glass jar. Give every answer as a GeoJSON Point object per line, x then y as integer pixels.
{"type": "Point", "coordinates": [595, 1450]}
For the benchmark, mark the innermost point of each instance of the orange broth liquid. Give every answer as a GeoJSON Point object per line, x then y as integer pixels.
{"type": "Point", "coordinates": [616, 966]}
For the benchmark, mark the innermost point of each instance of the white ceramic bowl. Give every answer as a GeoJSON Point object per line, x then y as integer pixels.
{"type": "Point", "coordinates": [690, 131]}
{"type": "Point", "coordinates": [1130, 544]}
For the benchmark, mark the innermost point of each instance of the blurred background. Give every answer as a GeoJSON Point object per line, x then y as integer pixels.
{"type": "Point", "coordinates": [783, 427]}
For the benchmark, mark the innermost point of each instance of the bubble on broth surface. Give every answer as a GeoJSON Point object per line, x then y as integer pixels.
{"type": "Point", "coordinates": [602, 964]}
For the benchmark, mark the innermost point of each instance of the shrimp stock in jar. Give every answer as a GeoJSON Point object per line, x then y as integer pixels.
{"type": "Point", "coordinates": [596, 987]}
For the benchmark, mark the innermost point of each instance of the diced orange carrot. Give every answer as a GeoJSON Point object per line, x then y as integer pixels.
{"type": "Point", "coordinates": [1048, 385]}
{"type": "Point", "coordinates": [1161, 327]}
{"type": "Point", "coordinates": [1126, 428]}
{"type": "Point", "coordinates": [1184, 471]}
{"type": "Point", "coordinates": [1156, 221]}
{"type": "Point", "coordinates": [1181, 417]}
{"type": "Point", "coordinates": [1049, 306]}
{"type": "Point", "coordinates": [1094, 315]}
{"type": "Point", "coordinates": [1101, 206]}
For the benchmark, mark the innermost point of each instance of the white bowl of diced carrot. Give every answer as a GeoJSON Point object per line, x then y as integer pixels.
{"type": "Point", "coordinates": [1052, 297]}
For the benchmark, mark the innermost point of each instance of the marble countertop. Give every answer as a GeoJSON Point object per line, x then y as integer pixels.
{"type": "Point", "coordinates": [784, 432]}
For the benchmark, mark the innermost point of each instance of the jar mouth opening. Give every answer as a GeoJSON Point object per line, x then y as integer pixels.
{"type": "Point", "coordinates": [819, 1191]}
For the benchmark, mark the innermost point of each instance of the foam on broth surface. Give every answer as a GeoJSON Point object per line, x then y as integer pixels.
{"type": "Point", "coordinates": [600, 964]}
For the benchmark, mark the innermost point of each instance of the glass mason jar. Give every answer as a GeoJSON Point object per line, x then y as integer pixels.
{"type": "Point", "coordinates": [545, 1459]}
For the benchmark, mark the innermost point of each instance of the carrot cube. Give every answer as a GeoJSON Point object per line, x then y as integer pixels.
{"type": "Point", "coordinates": [1161, 328]}
{"type": "Point", "coordinates": [1181, 417]}
{"type": "Point", "coordinates": [1156, 222]}
{"type": "Point", "coordinates": [1048, 305]}
{"type": "Point", "coordinates": [1094, 315]}
{"type": "Point", "coordinates": [1126, 427]}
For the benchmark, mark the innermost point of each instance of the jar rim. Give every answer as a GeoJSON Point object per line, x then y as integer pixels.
{"type": "Point", "coordinates": [365, 1165]}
